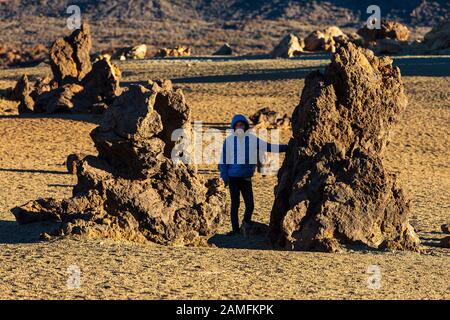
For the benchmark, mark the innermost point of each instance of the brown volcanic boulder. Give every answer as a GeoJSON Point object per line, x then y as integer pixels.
{"type": "Point", "coordinates": [22, 93]}
{"type": "Point", "coordinates": [290, 46]}
{"type": "Point", "coordinates": [389, 30]}
{"type": "Point", "coordinates": [134, 53]}
{"type": "Point", "coordinates": [101, 86]}
{"type": "Point", "coordinates": [175, 114]}
{"type": "Point", "coordinates": [266, 118]}
{"type": "Point", "coordinates": [42, 86]}
{"type": "Point", "coordinates": [128, 136]}
{"type": "Point", "coordinates": [131, 190]}
{"type": "Point", "coordinates": [332, 188]}
{"type": "Point", "coordinates": [22, 88]}
{"type": "Point", "coordinates": [59, 99]}
{"type": "Point", "coordinates": [315, 41]}
{"type": "Point", "coordinates": [178, 51]}
{"type": "Point", "coordinates": [77, 86]}
{"type": "Point", "coordinates": [325, 40]}
{"type": "Point", "coordinates": [70, 56]}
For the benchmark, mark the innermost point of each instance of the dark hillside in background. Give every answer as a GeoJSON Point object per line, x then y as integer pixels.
{"type": "Point", "coordinates": [250, 26]}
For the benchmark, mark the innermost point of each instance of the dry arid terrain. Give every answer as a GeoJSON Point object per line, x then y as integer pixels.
{"type": "Point", "coordinates": [249, 26]}
{"type": "Point", "coordinates": [33, 149]}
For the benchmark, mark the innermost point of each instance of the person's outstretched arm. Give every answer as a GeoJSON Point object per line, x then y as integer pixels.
{"type": "Point", "coordinates": [270, 147]}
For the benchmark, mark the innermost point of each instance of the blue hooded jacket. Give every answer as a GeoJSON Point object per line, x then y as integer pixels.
{"type": "Point", "coordinates": [240, 154]}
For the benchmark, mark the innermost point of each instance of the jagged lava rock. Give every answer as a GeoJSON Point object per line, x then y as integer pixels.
{"type": "Point", "coordinates": [266, 118]}
{"type": "Point", "coordinates": [178, 51]}
{"type": "Point", "coordinates": [101, 86]}
{"type": "Point", "coordinates": [325, 40]}
{"type": "Point", "coordinates": [22, 93]}
{"type": "Point", "coordinates": [58, 100]}
{"type": "Point", "coordinates": [333, 189]}
{"type": "Point", "coordinates": [290, 46]}
{"type": "Point", "coordinates": [70, 56]}
{"type": "Point", "coordinates": [131, 190]}
{"type": "Point", "coordinates": [389, 30]}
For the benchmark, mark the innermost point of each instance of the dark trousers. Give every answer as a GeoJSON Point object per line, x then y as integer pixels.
{"type": "Point", "coordinates": [240, 186]}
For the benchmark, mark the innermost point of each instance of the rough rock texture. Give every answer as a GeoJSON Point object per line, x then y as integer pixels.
{"type": "Point", "coordinates": [178, 51]}
{"type": "Point", "coordinates": [21, 89]}
{"type": "Point", "coordinates": [131, 190]}
{"type": "Point", "coordinates": [224, 50]}
{"type": "Point", "coordinates": [325, 40]}
{"type": "Point", "coordinates": [134, 53]}
{"type": "Point", "coordinates": [446, 228]}
{"type": "Point", "coordinates": [42, 86]}
{"type": "Point", "coordinates": [22, 93]}
{"type": "Point", "coordinates": [289, 47]}
{"type": "Point", "coordinates": [439, 37]}
{"type": "Point", "coordinates": [58, 100]}
{"type": "Point", "coordinates": [266, 118]}
{"type": "Point", "coordinates": [70, 56]}
{"type": "Point", "coordinates": [389, 30]}
{"type": "Point", "coordinates": [332, 188]}
{"type": "Point", "coordinates": [101, 86]}
{"type": "Point", "coordinates": [77, 86]}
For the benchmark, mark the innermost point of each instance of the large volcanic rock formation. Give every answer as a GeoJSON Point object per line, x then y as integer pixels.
{"type": "Point", "coordinates": [77, 85]}
{"type": "Point", "coordinates": [132, 190]}
{"type": "Point", "coordinates": [333, 188]}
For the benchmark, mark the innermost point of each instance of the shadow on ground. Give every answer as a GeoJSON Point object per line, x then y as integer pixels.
{"type": "Point", "coordinates": [32, 171]}
{"type": "Point", "coordinates": [423, 66]}
{"type": "Point", "coordinates": [257, 239]}
{"type": "Point", "coordinates": [13, 233]}
{"type": "Point", "coordinates": [92, 118]}
{"type": "Point", "coordinates": [260, 75]}
{"type": "Point", "coordinates": [251, 75]}
{"type": "Point", "coordinates": [206, 58]}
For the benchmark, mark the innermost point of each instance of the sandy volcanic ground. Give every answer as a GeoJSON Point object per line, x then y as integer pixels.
{"type": "Point", "coordinates": [33, 149]}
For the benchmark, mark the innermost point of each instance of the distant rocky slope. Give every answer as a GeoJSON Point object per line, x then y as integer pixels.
{"type": "Point", "coordinates": [423, 12]}
{"type": "Point", "coordinates": [250, 26]}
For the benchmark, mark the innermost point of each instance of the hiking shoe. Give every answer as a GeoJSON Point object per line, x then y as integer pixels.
{"type": "Point", "coordinates": [231, 233]}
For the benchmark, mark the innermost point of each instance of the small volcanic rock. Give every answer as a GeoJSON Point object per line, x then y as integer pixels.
{"type": "Point", "coordinates": [70, 56]}
{"type": "Point", "coordinates": [290, 46]}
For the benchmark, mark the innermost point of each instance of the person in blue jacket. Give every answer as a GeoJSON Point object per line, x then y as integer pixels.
{"type": "Point", "coordinates": [240, 153]}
